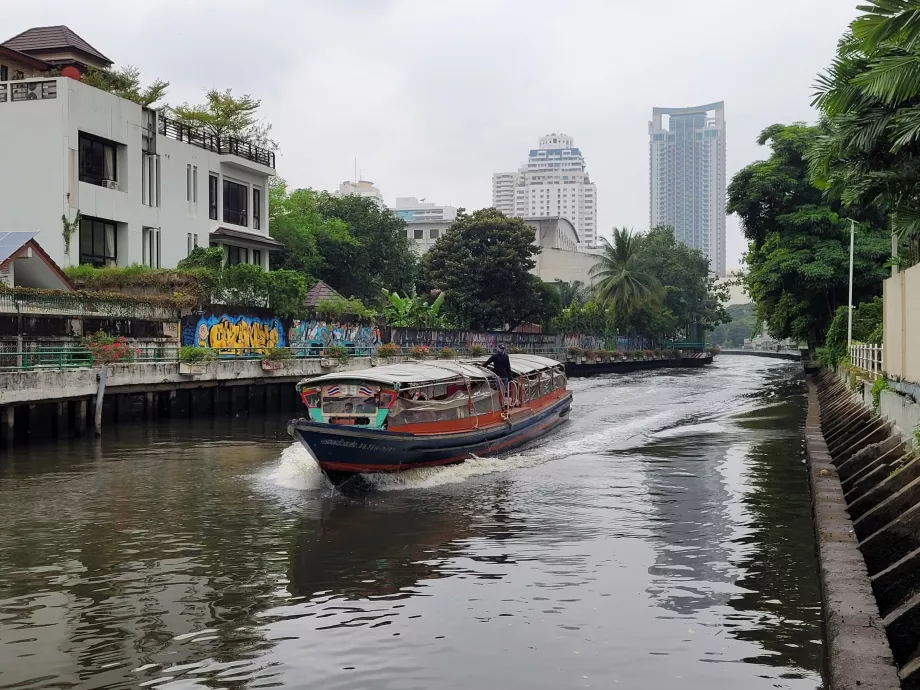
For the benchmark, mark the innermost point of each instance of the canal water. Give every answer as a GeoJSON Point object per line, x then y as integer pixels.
{"type": "Point", "coordinates": [661, 539]}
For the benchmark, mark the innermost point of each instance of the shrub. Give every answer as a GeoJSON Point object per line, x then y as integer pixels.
{"type": "Point", "coordinates": [388, 350]}
{"type": "Point", "coordinates": [881, 383]}
{"type": "Point", "coordinates": [339, 306]}
{"type": "Point", "coordinates": [475, 351]}
{"type": "Point", "coordinates": [201, 257]}
{"type": "Point", "coordinates": [514, 350]}
{"type": "Point", "coordinates": [576, 351]}
{"type": "Point", "coordinates": [714, 350]}
{"type": "Point", "coordinates": [635, 354]}
{"type": "Point", "coordinates": [278, 354]}
{"type": "Point", "coordinates": [108, 349]}
{"type": "Point", "coordinates": [196, 355]}
{"type": "Point", "coordinates": [447, 353]}
{"type": "Point", "coordinates": [603, 354]}
{"type": "Point", "coordinates": [339, 352]}
{"type": "Point", "coordinates": [419, 352]}
{"type": "Point", "coordinates": [590, 355]}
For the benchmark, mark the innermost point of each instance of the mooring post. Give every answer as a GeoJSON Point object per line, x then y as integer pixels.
{"type": "Point", "coordinates": [61, 418]}
{"type": "Point", "coordinates": [79, 421]}
{"type": "Point", "coordinates": [9, 417]}
{"type": "Point", "coordinates": [150, 402]}
{"type": "Point", "coordinates": [100, 393]}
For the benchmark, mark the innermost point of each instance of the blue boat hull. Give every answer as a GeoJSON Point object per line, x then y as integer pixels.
{"type": "Point", "coordinates": [344, 451]}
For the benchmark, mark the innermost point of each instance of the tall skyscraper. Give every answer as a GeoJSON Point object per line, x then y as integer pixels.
{"type": "Point", "coordinates": [553, 182]}
{"type": "Point", "coordinates": [687, 177]}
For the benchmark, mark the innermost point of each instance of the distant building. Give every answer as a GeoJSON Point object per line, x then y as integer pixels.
{"type": "Point", "coordinates": [736, 293]}
{"type": "Point", "coordinates": [23, 263]}
{"type": "Point", "coordinates": [553, 182]}
{"type": "Point", "coordinates": [687, 177]}
{"type": "Point", "coordinates": [363, 188]}
{"type": "Point", "coordinates": [146, 190]}
{"type": "Point", "coordinates": [425, 233]}
{"type": "Point", "coordinates": [410, 208]}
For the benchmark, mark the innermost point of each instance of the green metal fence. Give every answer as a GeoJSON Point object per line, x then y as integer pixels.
{"type": "Point", "coordinates": [79, 357]}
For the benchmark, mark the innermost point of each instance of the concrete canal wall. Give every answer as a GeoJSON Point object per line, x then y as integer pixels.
{"type": "Point", "coordinates": [52, 403]}
{"type": "Point", "coordinates": [866, 486]}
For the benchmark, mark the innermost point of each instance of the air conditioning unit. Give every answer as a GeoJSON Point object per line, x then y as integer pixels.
{"type": "Point", "coordinates": [110, 184]}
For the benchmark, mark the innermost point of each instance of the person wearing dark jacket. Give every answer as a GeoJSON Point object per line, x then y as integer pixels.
{"type": "Point", "coordinates": [501, 365]}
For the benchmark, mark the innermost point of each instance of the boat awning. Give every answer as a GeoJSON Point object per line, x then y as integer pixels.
{"type": "Point", "coordinates": [425, 372]}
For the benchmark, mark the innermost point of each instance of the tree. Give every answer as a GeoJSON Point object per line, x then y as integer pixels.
{"type": "Point", "coordinates": [378, 254]}
{"type": "Point", "coordinates": [125, 82]}
{"type": "Point", "coordinates": [743, 325]}
{"type": "Point", "coordinates": [211, 258]}
{"type": "Point", "coordinates": [622, 282]}
{"type": "Point", "coordinates": [869, 151]}
{"type": "Point", "coordinates": [223, 114]}
{"type": "Point", "coordinates": [798, 241]}
{"type": "Point", "coordinates": [483, 264]}
{"type": "Point", "coordinates": [571, 293]}
{"type": "Point", "coordinates": [413, 311]}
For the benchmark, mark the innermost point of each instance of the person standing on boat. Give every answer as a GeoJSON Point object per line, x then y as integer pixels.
{"type": "Point", "coordinates": [501, 365]}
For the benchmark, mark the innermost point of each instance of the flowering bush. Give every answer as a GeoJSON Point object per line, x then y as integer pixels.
{"type": "Point", "coordinates": [388, 350]}
{"type": "Point", "coordinates": [517, 350]}
{"type": "Point", "coordinates": [108, 349]}
{"type": "Point", "coordinates": [419, 352]}
{"type": "Point", "coordinates": [447, 353]}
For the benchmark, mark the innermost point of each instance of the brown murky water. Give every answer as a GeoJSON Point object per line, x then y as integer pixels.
{"type": "Point", "coordinates": [661, 539]}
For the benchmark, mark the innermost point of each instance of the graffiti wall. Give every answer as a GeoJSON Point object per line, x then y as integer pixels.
{"type": "Point", "coordinates": [590, 342]}
{"type": "Point", "coordinates": [437, 339]}
{"type": "Point", "coordinates": [312, 336]}
{"type": "Point", "coordinates": [234, 335]}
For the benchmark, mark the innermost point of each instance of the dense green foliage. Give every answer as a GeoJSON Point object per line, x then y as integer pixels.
{"type": "Point", "coordinates": [622, 281]}
{"type": "Point", "coordinates": [351, 243]}
{"type": "Point", "coordinates": [125, 82]}
{"type": "Point", "coordinates": [482, 264]}
{"type": "Point", "coordinates": [743, 325]}
{"type": "Point", "coordinates": [867, 328]}
{"type": "Point", "coordinates": [798, 241]}
{"type": "Point", "coordinates": [223, 114]}
{"type": "Point", "coordinates": [414, 311]}
{"type": "Point", "coordinates": [211, 258]}
{"type": "Point", "coordinates": [869, 153]}
{"type": "Point", "coordinates": [575, 292]}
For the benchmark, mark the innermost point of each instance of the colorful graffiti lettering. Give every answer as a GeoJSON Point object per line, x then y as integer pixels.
{"type": "Point", "coordinates": [236, 335]}
{"type": "Point", "coordinates": [312, 336]}
{"type": "Point", "coordinates": [436, 339]}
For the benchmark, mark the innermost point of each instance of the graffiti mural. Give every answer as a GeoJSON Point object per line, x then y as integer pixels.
{"type": "Point", "coordinates": [590, 342]}
{"type": "Point", "coordinates": [312, 336]}
{"type": "Point", "coordinates": [437, 339]}
{"type": "Point", "coordinates": [235, 335]}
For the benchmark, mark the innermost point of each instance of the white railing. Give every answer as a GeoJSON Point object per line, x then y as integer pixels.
{"type": "Point", "coordinates": [868, 358]}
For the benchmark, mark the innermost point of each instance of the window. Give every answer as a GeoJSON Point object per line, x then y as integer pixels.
{"type": "Point", "coordinates": [434, 233]}
{"type": "Point", "coordinates": [188, 244]}
{"type": "Point", "coordinates": [195, 184]}
{"type": "Point", "coordinates": [4, 73]}
{"type": "Point", "coordinates": [237, 255]}
{"type": "Point", "coordinates": [150, 179]}
{"type": "Point", "coordinates": [97, 161]}
{"type": "Point", "coordinates": [212, 197]}
{"type": "Point", "coordinates": [195, 241]}
{"type": "Point", "coordinates": [419, 234]}
{"type": "Point", "coordinates": [150, 247]}
{"type": "Point", "coordinates": [235, 203]}
{"type": "Point", "coordinates": [98, 243]}
{"type": "Point", "coordinates": [257, 257]}
{"type": "Point", "coordinates": [256, 208]}
{"type": "Point", "coordinates": [188, 182]}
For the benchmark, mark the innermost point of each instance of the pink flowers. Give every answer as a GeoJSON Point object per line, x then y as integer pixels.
{"type": "Point", "coordinates": [107, 349]}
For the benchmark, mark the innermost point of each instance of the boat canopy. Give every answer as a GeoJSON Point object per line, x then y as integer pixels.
{"type": "Point", "coordinates": [426, 372]}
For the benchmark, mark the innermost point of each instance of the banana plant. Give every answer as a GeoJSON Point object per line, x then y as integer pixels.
{"type": "Point", "coordinates": [413, 311]}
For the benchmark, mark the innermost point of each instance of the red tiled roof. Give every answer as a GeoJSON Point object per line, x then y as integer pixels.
{"type": "Point", "coordinates": [43, 39]}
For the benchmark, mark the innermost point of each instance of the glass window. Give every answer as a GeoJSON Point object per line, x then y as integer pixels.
{"type": "Point", "coordinates": [212, 197]}
{"type": "Point", "coordinates": [235, 196]}
{"type": "Point", "coordinates": [257, 257]}
{"type": "Point", "coordinates": [237, 255]}
{"type": "Point", "coordinates": [97, 161]}
{"type": "Point", "coordinates": [256, 208]}
{"type": "Point", "coordinates": [434, 233]}
{"type": "Point", "coordinates": [98, 243]}
{"type": "Point", "coordinates": [4, 73]}
{"type": "Point", "coordinates": [419, 234]}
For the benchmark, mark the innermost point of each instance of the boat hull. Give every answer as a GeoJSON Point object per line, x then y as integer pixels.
{"type": "Point", "coordinates": [345, 451]}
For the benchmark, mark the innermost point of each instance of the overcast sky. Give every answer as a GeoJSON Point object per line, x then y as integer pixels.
{"type": "Point", "coordinates": [433, 96]}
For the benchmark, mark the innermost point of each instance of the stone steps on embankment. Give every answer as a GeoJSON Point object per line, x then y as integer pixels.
{"type": "Point", "coordinates": [880, 478]}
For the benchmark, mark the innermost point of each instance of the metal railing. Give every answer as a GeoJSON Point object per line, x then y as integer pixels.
{"type": "Point", "coordinates": [867, 357]}
{"type": "Point", "coordinates": [79, 357]}
{"type": "Point", "coordinates": [75, 304]}
{"type": "Point", "coordinates": [223, 145]}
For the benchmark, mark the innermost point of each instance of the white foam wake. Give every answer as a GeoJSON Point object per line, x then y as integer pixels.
{"type": "Point", "coordinates": [297, 470]}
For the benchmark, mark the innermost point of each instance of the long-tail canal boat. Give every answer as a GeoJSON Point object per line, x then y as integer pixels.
{"type": "Point", "coordinates": [424, 414]}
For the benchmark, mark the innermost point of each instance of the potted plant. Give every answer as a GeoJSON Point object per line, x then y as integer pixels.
{"type": "Point", "coordinates": [590, 355]}
{"type": "Point", "coordinates": [575, 352]}
{"type": "Point", "coordinates": [193, 361]}
{"type": "Point", "coordinates": [388, 350]}
{"type": "Point", "coordinates": [419, 352]}
{"type": "Point", "coordinates": [514, 350]}
{"type": "Point", "coordinates": [274, 359]}
{"type": "Point", "coordinates": [447, 353]}
{"type": "Point", "coordinates": [333, 355]}
{"type": "Point", "coordinates": [108, 349]}
{"type": "Point", "coordinates": [475, 351]}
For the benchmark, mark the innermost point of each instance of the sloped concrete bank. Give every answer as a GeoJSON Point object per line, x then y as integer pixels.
{"type": "Point", "coordinates": [866, 492]}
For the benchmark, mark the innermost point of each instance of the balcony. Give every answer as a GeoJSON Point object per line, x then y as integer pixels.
{"type": "Point", "coordinates": [35, 90]}
{"type": "Point", "coordinates": [220, 145]}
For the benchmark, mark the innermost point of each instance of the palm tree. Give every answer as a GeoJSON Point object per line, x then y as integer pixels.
{"type": "Point", "coordinates": [572, 293]}
{"type": "Point", "coordinates": [622, 281]}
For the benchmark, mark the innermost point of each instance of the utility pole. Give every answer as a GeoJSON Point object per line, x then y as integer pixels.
{"type": "Point", "coordinates": [850, 304]}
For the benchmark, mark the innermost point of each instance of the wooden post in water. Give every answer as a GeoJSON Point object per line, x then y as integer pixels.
{"type": "Point", "coordinates": [9, 417]}
{"type": "Point", "coordinates": [100, 393]}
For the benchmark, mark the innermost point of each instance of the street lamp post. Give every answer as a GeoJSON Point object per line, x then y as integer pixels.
{"type": "Point", "coordinates": [850, 304]}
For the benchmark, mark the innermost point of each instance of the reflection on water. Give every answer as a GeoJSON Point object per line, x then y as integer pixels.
{"type": "Point", "coordinates": [660, 539]}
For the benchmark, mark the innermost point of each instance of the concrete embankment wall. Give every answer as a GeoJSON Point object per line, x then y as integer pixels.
{"type": "Point", "coordinates": [862, 463]}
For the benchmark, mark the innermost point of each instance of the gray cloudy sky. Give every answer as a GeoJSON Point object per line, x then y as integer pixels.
{"type": "Point", "coordinates": [433, 96]}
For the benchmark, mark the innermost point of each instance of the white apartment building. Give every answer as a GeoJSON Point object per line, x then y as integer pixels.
{"type": "Point", "coordinates": [687, 177]}
{"type": "Point", "coordinates": [553, 182]}
{"type": "Point", "coordinates": [146, 190]}
{"type": "Point", "coordinates": [424, 233]}
{"type": "Point", "coordinates": [364, 188]}
{"type": "Point", "coordinates": [409, 208]}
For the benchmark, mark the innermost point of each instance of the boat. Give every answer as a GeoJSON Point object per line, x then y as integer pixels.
{"type": "Point", "coordinates": [415, 414]}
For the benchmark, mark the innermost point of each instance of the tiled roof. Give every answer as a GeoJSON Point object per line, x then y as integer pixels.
{"type": "Point", "coordinates": [250, 237]}
{"type": "Point", "coordinates": [42, 39]}
{"type": "Point", "coordinates": [320, 291]}
{"type": "Point", "coordinates": [28, 60]}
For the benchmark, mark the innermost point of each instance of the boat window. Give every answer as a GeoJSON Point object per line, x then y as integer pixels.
{"type": "Point", "coordinates": [559, 378]}
{"type": "Point", "coordinates": [349, 406]}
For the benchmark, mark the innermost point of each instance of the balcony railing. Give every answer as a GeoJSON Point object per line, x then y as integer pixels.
{"type": "Point", "coordinates": [221, 145]}
{"type": "Point", "coordinates": [868, 358]}
{"type": "Point", "coordinates": [33, 90]}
